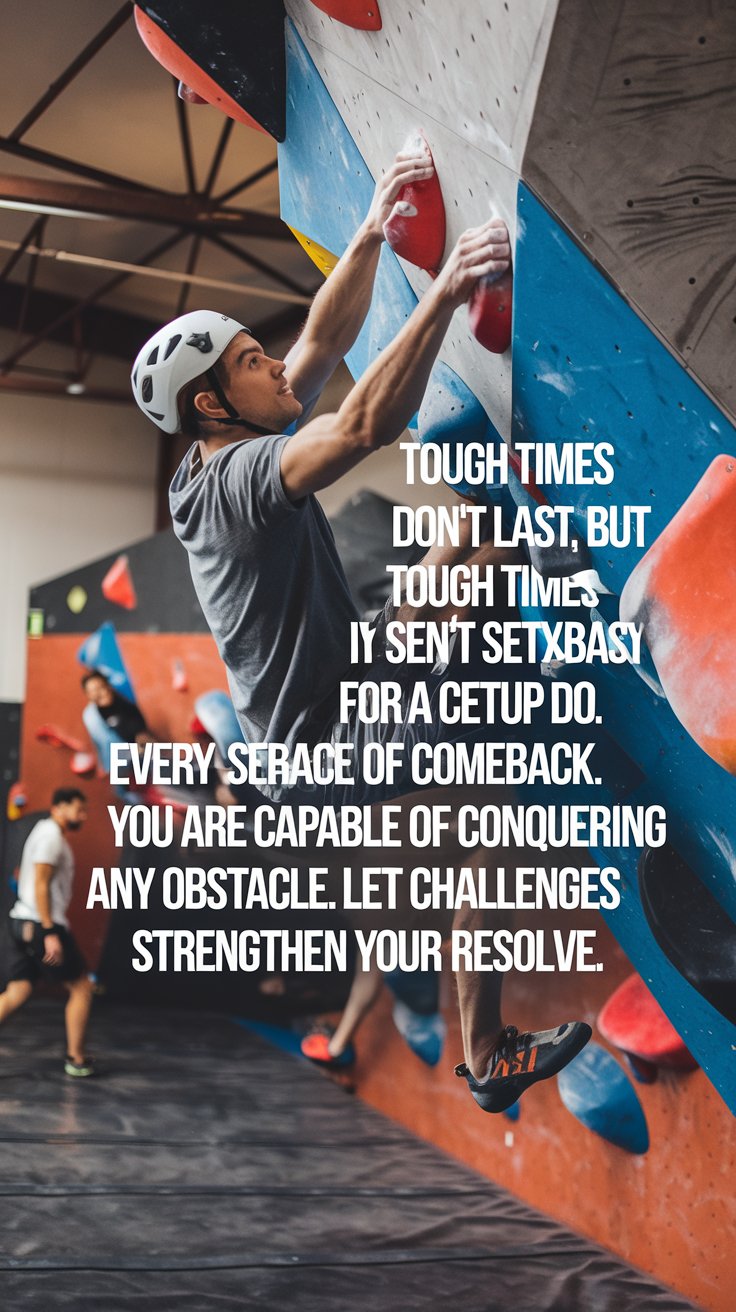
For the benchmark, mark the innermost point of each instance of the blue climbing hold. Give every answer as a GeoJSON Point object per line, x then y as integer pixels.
{"type": "Point", "coordinates": [102, 652]}
{"type": "Point", "coordinates": [600, 1094]}
{"type": "Point", "coordinates": [425, 1035]}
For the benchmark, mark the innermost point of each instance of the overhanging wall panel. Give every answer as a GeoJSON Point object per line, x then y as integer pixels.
{"type": "Point", "coordinates": [632, 145]}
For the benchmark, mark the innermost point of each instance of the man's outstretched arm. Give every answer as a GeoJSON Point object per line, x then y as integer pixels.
{"type": "Point", "coordinates": [341, 305]}
{"type": "Point", "coordinates": [378, 408]}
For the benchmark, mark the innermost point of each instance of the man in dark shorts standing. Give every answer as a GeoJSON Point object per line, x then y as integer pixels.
{"type": "Point", "coordinates": [262, 554]}
{"type": "Point", "coordinates": [42, 946]}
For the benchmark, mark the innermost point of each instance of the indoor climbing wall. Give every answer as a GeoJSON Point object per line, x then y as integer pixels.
{"type": "Point", "coordinates": [583, 360]}
{"type": "Point", "coordinates": [621, 325]}
{"type": "Point", "coordinates": [421, 71]}
{"type": "Point", "coordinates": [604, 136]}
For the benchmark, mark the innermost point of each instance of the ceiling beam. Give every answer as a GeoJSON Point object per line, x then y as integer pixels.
{"type": "Point", "coordinates": [50, 160]}
{"type": "Point", "coordinates": [49, 387]}
{"type": "Point", "coordinates": [250, 181]}
{"type": "Point", "coordinates": [70, 72]}
{"type": "Point", "coordinates": [185, 140]}
{"type": "Point", "coordinates": [193, 213]}
{"type": "Point", "coordinates": [115, 333]}
{"type": "Point", "coordinates": [31, 237]}
{"type": "Point", "coordinates": [74, 307]}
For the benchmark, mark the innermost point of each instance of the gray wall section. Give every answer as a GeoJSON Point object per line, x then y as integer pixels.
{"type": "Point", "coordinates": [633, 147]}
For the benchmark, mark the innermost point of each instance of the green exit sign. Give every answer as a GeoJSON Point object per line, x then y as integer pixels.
{"type": "Point", "coordinates": [35, 624]}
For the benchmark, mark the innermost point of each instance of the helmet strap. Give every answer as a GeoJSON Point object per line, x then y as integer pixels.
{"type": "Point", "coordinates": [234, 419]}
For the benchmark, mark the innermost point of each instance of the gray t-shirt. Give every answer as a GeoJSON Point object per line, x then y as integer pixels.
{"type": "Point", "coordinates": [271, 586]}
{"type": "Point", "coordinates": [46, 846]}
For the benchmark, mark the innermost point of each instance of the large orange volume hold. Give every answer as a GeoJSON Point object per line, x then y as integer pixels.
{"type": "Point", "coordinates": [231, 54]}
{"type": "Point", "coordinates": [683, 592]}
{"type": "Point", "coordinates": [364, 14]}
{"type": "Point", "coordinates": [415, 228]}
{"type": "Point", "coordinates": [190, 74]}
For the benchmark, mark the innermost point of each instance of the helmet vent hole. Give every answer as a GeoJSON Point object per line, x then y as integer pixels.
{"type": "Point", "coordinates": [147, 389]}
{"type": "Point", "coordinates": [153, 357]}
{"type": "Point", "coordinates": [172, 344]}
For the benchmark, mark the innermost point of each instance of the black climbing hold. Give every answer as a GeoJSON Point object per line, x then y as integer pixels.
{"type": "Point", "coordinates": [695, 933]}
{"type": "Point", "coordinates": [240, 44]}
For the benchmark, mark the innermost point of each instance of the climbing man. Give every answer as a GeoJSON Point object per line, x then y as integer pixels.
{"type": "Point", "coordinates": [41, 943]}
{"type": "Point", "coordinates": [261, 552]}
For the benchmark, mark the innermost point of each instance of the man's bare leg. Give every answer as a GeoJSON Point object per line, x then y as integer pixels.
{"type": "Point", "coordinates": [479, 995]}
{"type": "Point", "coordinates": [15, 996]}
{"type": "Point", "coordinates": [76, 1016]}
{"type": "Point", "coordinates": [363, 994]}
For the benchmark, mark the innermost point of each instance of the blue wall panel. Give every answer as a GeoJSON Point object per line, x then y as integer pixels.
{"type": "Point", "coordinates": [587, 368]}
{"type": "Point", "coordinates": [326, 190]}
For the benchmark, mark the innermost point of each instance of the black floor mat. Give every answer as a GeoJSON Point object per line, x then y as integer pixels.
{"type": "Point", "coordinates": [204, 1170]}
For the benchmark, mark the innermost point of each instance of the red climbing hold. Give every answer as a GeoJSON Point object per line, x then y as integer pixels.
{"type": "Point", "coordinates": [363, 14]}
{"type": "Point", "coordinates": [415, 228]}
{"type": "Point", "coordinates": [117, 585]}
{"type": "Point", "coordinates": [55, 737]}
{"type": "Point", "coordinates": [489, 310]}
{"type": "Point", "coordinates": [176, 62]}
{"type": "Point", "coordinates": [83, 763]}
{"type": "Point", "coordinates": [683, 591]}
{"type": "Point", "coordinates": [633, 1021]}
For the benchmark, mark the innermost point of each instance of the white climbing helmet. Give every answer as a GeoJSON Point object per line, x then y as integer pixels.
{"type": "Point", "coordinates": [174, 356]}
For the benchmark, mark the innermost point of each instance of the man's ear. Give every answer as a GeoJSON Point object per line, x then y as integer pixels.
{"type": "Point", "coordinates": [208, 406]}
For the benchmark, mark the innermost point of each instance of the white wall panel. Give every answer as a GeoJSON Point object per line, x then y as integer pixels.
{"type": "Point", "coordinates": [474, 65]}
{"type": "Point", "coordinates": [474, 107]}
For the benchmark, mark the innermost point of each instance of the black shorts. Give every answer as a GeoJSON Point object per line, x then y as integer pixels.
{"type": "Point", "coordinates": [26, 953]}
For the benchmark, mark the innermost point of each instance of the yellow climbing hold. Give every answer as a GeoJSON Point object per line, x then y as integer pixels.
{"type": "Point", "coordinates": [323, 258]}
{"type": "Point", "coordinates": [76, 599]}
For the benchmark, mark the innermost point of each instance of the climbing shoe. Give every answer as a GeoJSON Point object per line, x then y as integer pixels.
{"type": "Point", "coordinates": [520, 1060]}
{"type": "Point", "coordinates": [316, 1047]}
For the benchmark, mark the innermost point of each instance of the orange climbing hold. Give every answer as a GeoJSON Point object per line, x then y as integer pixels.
{"type": "Point", "coordinates": [683, 592]}
{"type": "Point", "coordinates": [363, 14]}
{"type": "Point", "coordinates": [415, 229]}
{"type": "Point", "coordinates": [117, 585]}
{"type": "Point", "coordinates": [489, 310]}
{"type": "Point", "coordinates": [194, 78]}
